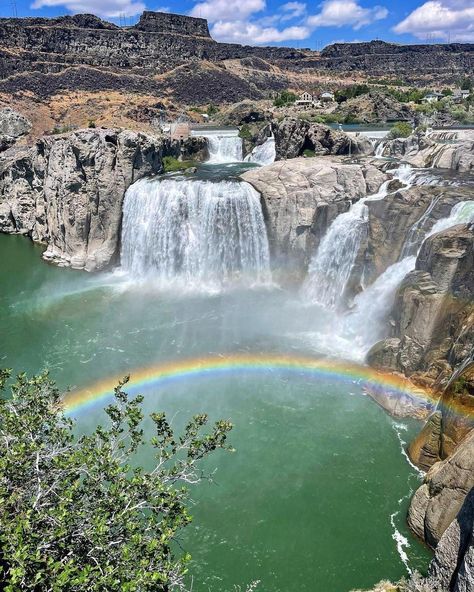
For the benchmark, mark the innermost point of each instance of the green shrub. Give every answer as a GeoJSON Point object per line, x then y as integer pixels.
{"type": "Point", "coordinates": [77, 512]}
{"type": "Point", "coordinates": [286, 97]}
{"type": "Point", "coordinates": [173, 165]}
{"type": "Point", "coordinates": [245, 132]}
{"type": "Point", "coordinates": [309, 153]}
{"type": "Point", "coordinates": [401, 130]}
{"type": "Point", "coordinates": [91, 123]}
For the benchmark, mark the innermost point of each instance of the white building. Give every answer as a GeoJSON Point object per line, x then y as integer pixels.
{"type": "Point", "coordinates": [306, 100]}
{"type": "Point", "coordinates": [431, 97]}
{"type": "Point", "coordinates": [327, 97]}
{"type": "Point", "coordinates": [461, 94]}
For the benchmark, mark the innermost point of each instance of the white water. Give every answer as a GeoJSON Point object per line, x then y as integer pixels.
{"type": "Point", "coordinates": [264, 154]}
{"type": "Point", "coordinates": [461, 213]}
{"type": "Point", "coordinates": [197, 233]}
{"type": "Point", "coordinates": [224, 146]}
{"type": "Point", "coordinates": [377, 300]}
{"type": "Point", "coordinates": [417, 232]}
{"type": "Point", "coordinates": [331, 267]}
{"type": "Point", "coordinates": [380, 149]}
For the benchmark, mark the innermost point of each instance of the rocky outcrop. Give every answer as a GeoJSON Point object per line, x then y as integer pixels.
{"type": "Point", "coordinates": [433, 307]}
{"type": "Point", "coordinates": [438, 501]}
{"type": "Point", "coordinates": [13, 126]}
{"type": "Point", "coordinates": [399, 222]}
{"type": "Point", "coordinates": [452, 568]}
{"type": "Point", "coordinates": [67, 191]}
{"type": "Point", "coordinates": [421, 150]}
{"type": "Point", "coordinates": [300, 199]}
{"type": "Point", "coordinates": [293, 137]}
{"type": "Point", "coordinates": [374, 107]}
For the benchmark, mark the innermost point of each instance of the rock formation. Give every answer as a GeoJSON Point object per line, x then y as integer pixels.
{"type": "Point", "coordinates": [433, 151]}
{"type": "Point", "coordinates": [13, 126]}
{"type": "Point", "coordinates": [301, 197]}
{"type": "Point", "coordinates": [82, 52]}
{"type": "Point", "coordinates": [438, 501]}
{"type": "Point", "coordinates": [67, 191]}
{"type": "Point", "coordinates": [433, 308]}
{"type": "Point", "coordinates": [374, 107]}
{"type": "Point", "coordinates": [295, 136]}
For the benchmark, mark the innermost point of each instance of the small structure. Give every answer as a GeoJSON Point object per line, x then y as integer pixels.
{"type": "Point", "coordinates": [431, 97]}
{"type": "Point", "coordinates": [461, 94]}
{"type": "Point", "coordinates": [179, 131]}
{"type": "Point", "coordinates": [306, 100]}
{"type": "Point", "coordinates": [327, 97]}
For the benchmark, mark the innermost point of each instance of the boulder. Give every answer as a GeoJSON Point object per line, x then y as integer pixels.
{"type": "Point", "coordinates": [301, 198]}
{"type": "Point", "coordinates": [293, 137]}
{"type": "Point", "coordinates": [13, 126]}
{"type": "Point", "coordinates": [438, 501]}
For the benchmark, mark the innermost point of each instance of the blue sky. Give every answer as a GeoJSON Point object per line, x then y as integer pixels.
{"type": "Point", "coordinates": [298, 23]}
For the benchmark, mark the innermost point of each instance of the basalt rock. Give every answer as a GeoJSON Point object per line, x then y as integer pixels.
{"type": "Point", "coordinates": [433, 307]}
{"type": "Point", "coordinates": [439, 500]}
{"type": "Point", "coordinates": [295, 137]}
{"type": "Point", "coordinates": [375, 107]}
{"type": "Point", "coordinates": [13, 126]}
{"type": "Point", "coordinates": [67, 191]}
{"type": "Point", "coordinates": [301, 198]}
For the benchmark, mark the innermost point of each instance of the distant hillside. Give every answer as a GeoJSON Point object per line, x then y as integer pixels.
{"type": "Point", "coordinates": [174, 56]}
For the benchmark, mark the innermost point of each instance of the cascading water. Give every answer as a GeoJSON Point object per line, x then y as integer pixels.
{"type": "Point", "coordinates": [330, 268]}
{"type": "Point", "coordinates": [225, 146]}
{"type": "Point", "coordinates": [377, 300]}
{"type": "Point", "coordinates": [417, 232]}
{"type": "Point", "coordinates": [198, 233]}
{"type": "Point", "coordinates": [264, 154]}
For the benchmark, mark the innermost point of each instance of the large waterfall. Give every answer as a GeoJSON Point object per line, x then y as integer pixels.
{"type": "Point", "coordinates": [225, 145]}
{"type": "Point", "coordinates": [198, 233]}
{"type": "Point", "coordinates": [330, 268]}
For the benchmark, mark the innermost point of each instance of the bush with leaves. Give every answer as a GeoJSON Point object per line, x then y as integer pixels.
{"type": "Point", "coordinates": [76, 513]}
{"type": "Point", "coordinates": [401, 129]}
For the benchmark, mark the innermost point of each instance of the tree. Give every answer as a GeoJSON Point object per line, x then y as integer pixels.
{"type": "Point", "coordinates": [76, 513]}
{"type": "Point", "coordinates": [401, 129]}
{"type": "Point", "coordinates": [286, 97]}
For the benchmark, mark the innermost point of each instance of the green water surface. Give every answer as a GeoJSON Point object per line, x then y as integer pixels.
{"type": "Point", "coordinates": [305, 503]}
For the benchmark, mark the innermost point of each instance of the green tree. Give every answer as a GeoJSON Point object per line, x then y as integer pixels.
{"type": "Point", "coordinates": [286, 97]}
{"type": "Point", "coordinates": [402, 129]}
{"type": "Point", "coordinates": [76, 513]}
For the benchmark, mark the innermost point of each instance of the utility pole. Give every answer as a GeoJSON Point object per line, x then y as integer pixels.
{"type": "Point", "coordinates": [14, 8]}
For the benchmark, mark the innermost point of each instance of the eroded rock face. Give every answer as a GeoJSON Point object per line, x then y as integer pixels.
{"type": "Point", "coordinates": [438, 501]}
{"type": "Point", "coordinates": [453, 565]}
{"type": "Point", "coordinates": [432, 308]}
{"type": "Point", "coordinates": [301, 198]}
{"type": "Point", "coordinates": [13, 126]}
{"type": "Point", "coordinates": [67, 191]}
{"type": "Point", "coordinates": [433, 151]}
{"type": "Point", "coordinates": [294, 136]}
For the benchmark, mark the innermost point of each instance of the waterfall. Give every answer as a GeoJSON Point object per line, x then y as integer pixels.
{"type": "Point", "coordinates": [377, 300]}
{"type": "Point", "coordinates": [330, 268]}
{"type": "Point", "coordinates": [417, 232]}
{"type": "Point", "coordinates": [264, 154]}
{"type": "Point", "coordinates": [380, 149]}
{"type": "Point", "coordinates": [461, 213]}
{"type": "Point", "coordinates": [198, 233]}
{"type": "Point", "coordinates": [225, 145]}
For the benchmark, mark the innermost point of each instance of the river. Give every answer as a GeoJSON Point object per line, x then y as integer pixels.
{"type": "Point", "coordinates": [315, 495]}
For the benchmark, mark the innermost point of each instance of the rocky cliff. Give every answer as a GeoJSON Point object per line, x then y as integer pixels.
{"type": "Point", "coordinates": [431, 331]}
{"type": "Point", "coordinates": [45, 56]}
{"type": "Point", "coordinates": [300, 199]}
{"type": "Point", "coordinates": [67, 190]}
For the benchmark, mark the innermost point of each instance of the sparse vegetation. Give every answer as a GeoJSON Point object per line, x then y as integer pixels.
{"type": "Point", "coordinates": [285, 98]}
{"type": "Point", "coordinates": [173, 165]}
{"type": "Point", "coordinates": [245, 132]}
{"type": "Point", "coordinates": [401, 129]}
{"type": "Point", "coordinates": [350, 92]}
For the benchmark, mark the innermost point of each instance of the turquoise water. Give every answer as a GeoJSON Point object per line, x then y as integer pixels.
{"type": "Point", "coordinates": [305, 503]}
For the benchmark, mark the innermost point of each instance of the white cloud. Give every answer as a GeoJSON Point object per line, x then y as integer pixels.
{"type": "Point", "coordinates": [106, 8]}
{"type": "Point", "coordinates": [340, 13]}
{"type": "Point", "coordinates": [293, 10]}
{"type": "Point", "coordinates": [254, 33]}
{"type": "Point", "coordinates": [227, 10]}
{"type": "Point", "coordinates": [441, 19]}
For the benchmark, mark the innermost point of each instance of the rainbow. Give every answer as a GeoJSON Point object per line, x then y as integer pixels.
{"type": "Point", "coordinates": [161, 375]}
